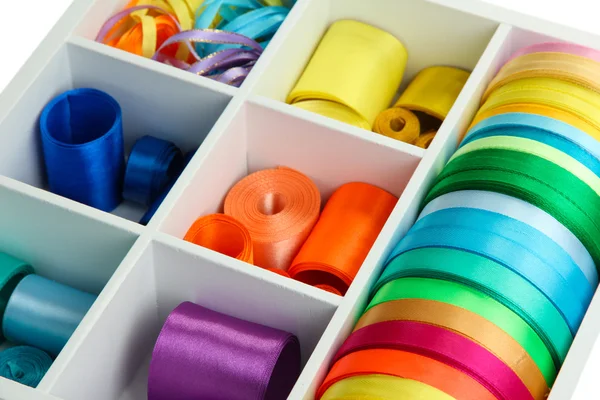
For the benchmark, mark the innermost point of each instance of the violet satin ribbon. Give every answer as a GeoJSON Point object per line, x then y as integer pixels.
{"type": "Point", "coordinates": [202, 354]}
{"type": "Point", "coordinates": [442, 345]}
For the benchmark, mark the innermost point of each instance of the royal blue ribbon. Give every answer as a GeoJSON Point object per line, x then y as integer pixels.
{"type": "Point", "coordinates": [82, 141]}
{"type": "Point", "coordinates": [557, 134]}
{"type": "Point", "coordinates": [44, 314]}
{"type": "Point", "coordinates": [513, 244]}
{"type": "Point", "coordinates": [152, 165]}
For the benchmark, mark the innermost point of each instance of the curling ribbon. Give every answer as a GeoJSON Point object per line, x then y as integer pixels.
{"type": "Point", "coordinates": [472, 326]}
{"type": "Point", "coordinates": [279, 207]}
{"type": "Point", "coordinates": [444, 346]}
{"type": "Point", "coordinates": [404, 365]}
{"type": "Point", "coordinates": [25, 365]}
{"type": "Point", "coordinates": [44, 314]}
{"type": "Point", "coordinates": [433, 91]}
{"type": "Point", "coordinates": [82, 140]}
{"type": "Point", "coordinates": [222, 233]}
{"type": "Point", "coordinates": [385, 306]}
{"type": "Point", "coordinates": [356, 207]}
{"type": "Point", "coordinates": [357, 67]}
{"type": "Point", "coordinates": [12, 270]}
{"type": "Point", "coordinates": [382, 387]}
{"type": "Point", "coordinates": [152, 164]}
{"type": "Point", "coordinates": [398, 123]}
{"type": "Point", "coordinates": [226, 358]}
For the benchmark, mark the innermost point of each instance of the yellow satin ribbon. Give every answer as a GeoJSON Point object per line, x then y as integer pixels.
{"type": "Point", "coordinates": [383, 387]}
{"type": "Point", "coordinates": [356, 65]}
{"type": "Point", "coordinates": [425, 139]}
{"type": "Point", "coordinates": [562, 95]}
{"type": "Point", "coordinates": [334, 110]}
{"type": "Point", "coordinates": [578, 70]}
{"type": "Point", "coordinates": [398, 123]}
{"type": "Point", "coordinates": [536, 148]}
{"type": "Point", "coordinates": [434, 90]}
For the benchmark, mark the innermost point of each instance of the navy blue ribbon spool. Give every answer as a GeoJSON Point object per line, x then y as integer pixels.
{"type": "Point", "coordinates": [82, 140]}
{"type": "Point", "coordinates": [152, 165]}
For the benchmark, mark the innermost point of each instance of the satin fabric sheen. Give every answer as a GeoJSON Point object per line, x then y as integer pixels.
{"type": "Point", "coordinates": [12, 271]}
{"type": "Point", "coordinates": [398, 123]}
{"type": "Point", "coordinates": [202, 354]}
{"type": "Point", "coordinates": [25, 365]}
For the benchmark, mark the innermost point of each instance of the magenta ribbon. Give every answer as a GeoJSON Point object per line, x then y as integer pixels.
{"type": "Point", "coordinates": [442, 345]}
{"type": "Point", "coordinates": [203, 354]}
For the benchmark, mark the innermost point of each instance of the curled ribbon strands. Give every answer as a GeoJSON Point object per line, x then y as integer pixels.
{"type": "Point", "coordinates": [279, 207]}
{"type": "Point", "coordinates": [398, 123]}
{"type": "Point", "coordinates": [444, 346]}
{"type": "Point", "coordinates": [357, 66]}
{"type": "Point", "coordinates": [424, 140]}
{"type": "Point", "coordinates": [82, 140]}
{"type": "Point", "coordinates": [23, 364]}
{"type": "Point", "coordinates": [356, 207]}
{"type": "Point", "coordinates": [44, 314]}
{"type": "Point", "coordinates": [151, 166]}
{"type": "Point", "coordinates": [558, 47]}
{"type": "Point", "coordinates": [471, 326]}
{"type": "Point", "coordinates": [388, 305]}
{"type": "Point", "coordinates": [226, 358]}
{"type": "Point", "coordinates": [12, 271]}
{"type": "Point", "coordinates": [403, 365]}
{"type": "Point", "coordinates": [433, 91]}
{"type": "Point", "coordinates": [224, 234]}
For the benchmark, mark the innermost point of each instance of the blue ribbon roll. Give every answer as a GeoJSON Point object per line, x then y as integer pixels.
{"type": "Point", "coordinates": [152, 165]}
{"type": "Point", "coordinates": [24, 364]}
{"type": "Point", "coordinates": [44, 314]}
{"type": "Point", "coordinates": [82, 140]}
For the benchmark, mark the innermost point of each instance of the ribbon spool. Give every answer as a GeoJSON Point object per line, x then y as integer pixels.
{"type": "Point", "coordinates": [44, 314]}
{"type": "Point", "coordinates": [334, 110]}
{"type": "Point", "coordinates": [356, 207]}
{"type": "Point", "coordinates": [398, 123]}
{"type": "Point", "coordinates": [152, 165]}
{"type": "Point", "coordinates": [424, 140]}
{"type": "Point", "coordinates": [356, 66]}
{"type": "Point", "coordinates": [279, 207]}
{"type": "Point", "coordinates": [223, 234]}
{"type": "Point", "coordinates": [558, 47]}
{"type": "Point", "coordinates": [25, 365]}
{"type": "Point", "coordinates": [12, 271]}
{"type": "Point", "coordinates": [225, 358]}
{"type": "Point", "coordinates": [82, 140]}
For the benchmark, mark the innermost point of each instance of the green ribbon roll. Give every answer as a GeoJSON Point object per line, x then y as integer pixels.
{"type": "Point", "coordinates": [12, 270]}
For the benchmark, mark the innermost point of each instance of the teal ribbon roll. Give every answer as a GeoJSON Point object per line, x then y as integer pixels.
{"type": "Point", "coordinates": [24, 364]}
{"type": "Point", "coordinates": [12, 270]}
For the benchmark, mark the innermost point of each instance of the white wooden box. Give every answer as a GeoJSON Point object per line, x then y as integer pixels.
{"type": "Point", "coordinates": [141, 273]}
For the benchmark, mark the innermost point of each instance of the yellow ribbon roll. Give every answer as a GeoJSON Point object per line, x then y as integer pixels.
{"type": "Point", "coordinates": [425, 139]}
{"type": "Point", "coordinates": [335, 111]}
{"type": "Point", "coordinates": [398, 123]}
{"type": "Point", "coordinates": [578, 70]}
{"type": "Point", "coordinates": [433, 91]}
{"type": "Point", "coordinates": [355, 65]}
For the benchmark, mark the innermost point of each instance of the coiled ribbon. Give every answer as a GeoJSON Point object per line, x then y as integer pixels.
{"type": "Point", "coordinates": [279, 207]}
{"type": "Point", "coordinates": [12, 271]}
{"type": "Point", "coordinates": [151, 166]}
{"type": "Point", "coordinates": [356, 207]}
{"type": "Point", "coordinates": [442, 345]}
{"type": "Point", "coordinates": [357, 67]}
{"type": "Point", "coordinates": [398, 123]}
{"type": "Point", "coordinates": [225, 358]}
{"type": "Point", "coordinates": [224, 234]}
{"type": "Point", "coordinates": [558, 47]}
{"type": "Point", "coordinates": [82, 140]}
{"type": "Point", "coordinates": [44, 314]}
{"type": "Point", "coordinates": [23, 364]}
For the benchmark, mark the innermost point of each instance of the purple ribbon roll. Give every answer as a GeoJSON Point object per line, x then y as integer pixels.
{"type": "Point", "coordinates": [202, 354]}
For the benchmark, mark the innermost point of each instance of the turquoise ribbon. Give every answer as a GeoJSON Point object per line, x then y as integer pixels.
{"type": "Point", "coordinates": [513, 244]}
{"type": "Point", "coordinates": [24, 364]}
{"type": "Point", "coordinates": [12, 270]}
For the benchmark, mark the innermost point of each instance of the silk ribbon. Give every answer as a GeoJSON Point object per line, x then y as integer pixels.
{"type": "Point", "coordinates": [558, 47]}
{"type": "Point", "coordinates": [355, 207]}
{"type": "Point", "coordinates": [12, 271]}
{"type": "Point", "coordinates": [25, 365]}
{"type": "Point", "coordinates": [225, 358]}
{"type": "Point", "coordinates": [398, 123]}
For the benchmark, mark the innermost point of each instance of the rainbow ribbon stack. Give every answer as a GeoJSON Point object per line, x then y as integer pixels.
{"type": "Point", "coordinates": [482, 298]}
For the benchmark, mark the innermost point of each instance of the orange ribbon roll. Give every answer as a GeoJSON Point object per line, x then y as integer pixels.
{"type": "Point", "coordinates": [340, 241]}
{"type": "Point", "coordinates": [425, 139]}
{"type": "Point", "coordinates": [398, 123]}
{"type": "Point", "coordinates": [279, 207]}
{"type": "Point", "coordinates": [223, 234]}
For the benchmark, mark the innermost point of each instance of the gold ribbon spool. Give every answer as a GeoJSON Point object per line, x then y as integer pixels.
{"type": "Point", "coordinates": [335, 111]}
{"type": "Point", "coordinates": [424, 140]}
{"type": "Point", "coordinates": [398, 123]}
{"type": "Point", "coordinates": [355, 65]}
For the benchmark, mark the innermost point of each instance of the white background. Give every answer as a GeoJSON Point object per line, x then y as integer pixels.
{"type": "Point", "coordinates": [26, 22]}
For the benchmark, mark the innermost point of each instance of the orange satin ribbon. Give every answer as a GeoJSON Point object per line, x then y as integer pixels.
{"type": "Point", "coordinates": [579, 70]}
{"type": "Point", "coordinates": [424, 140]}
{"type": "Point", "coordinates": [223, 234]}
{"type": "Point", "coordinates": [468, 324]}
{"type": "Point", "coordinates": [346, 231]}
{"type": "Point", "coordinates": [398, 123]}
{"type": "Point", "coordinates": [279, 207]}
{"type": "Point", "coordinates": [406, 365]}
